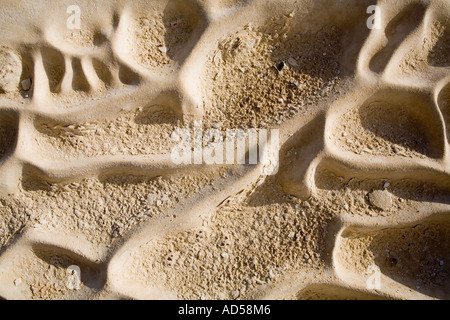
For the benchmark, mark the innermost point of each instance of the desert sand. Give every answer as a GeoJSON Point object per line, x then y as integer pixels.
{"type": "Point", "coordinates": [92, 205]}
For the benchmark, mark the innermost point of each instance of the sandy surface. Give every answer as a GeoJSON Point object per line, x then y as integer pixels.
{"type": "Point", "coordinates": [87, 180]}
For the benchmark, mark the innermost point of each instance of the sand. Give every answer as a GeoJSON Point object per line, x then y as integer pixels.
{"type": "Point", "coordinates": [93, 207]}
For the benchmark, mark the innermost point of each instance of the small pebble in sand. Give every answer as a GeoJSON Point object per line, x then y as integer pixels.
{"type": "Point", "coordinates": [380, 199]}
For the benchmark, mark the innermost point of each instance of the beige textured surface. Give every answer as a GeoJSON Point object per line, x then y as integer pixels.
{"type": "Point", "coordinates": [86, 177]}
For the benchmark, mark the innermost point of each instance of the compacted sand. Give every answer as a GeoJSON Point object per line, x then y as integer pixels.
{"type": "Point", "coordinates": [93, 207]}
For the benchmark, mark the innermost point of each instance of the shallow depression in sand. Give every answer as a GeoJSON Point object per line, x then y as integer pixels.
{"type": "Point", "coordinates": [397, 30]}
{"type": "Point", "coordinates": [439, 56]}
{"type": "Point", "coordinates": [333, 292]}
{"type": "Point", "coordinates": [160, 37]}
{"type": "Point", "coordinates": [8, 133]}
{"type": "Point", "coordinates": [44, 272]}
{"type": "Point", "coordinates": [377, 196]}
{"type": "Point", "coordinates": [397, 127]}
{"type": "Point", "coordinates": [10, 70]}
{"type": "Point", "coordinates": [229, 259]}
{"type": "Point", "coordinates": [100, 209]}
{"type": "Point", "coordinates": [261, 76]}
{"type": "Point", "coordinates": [415, 255]}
